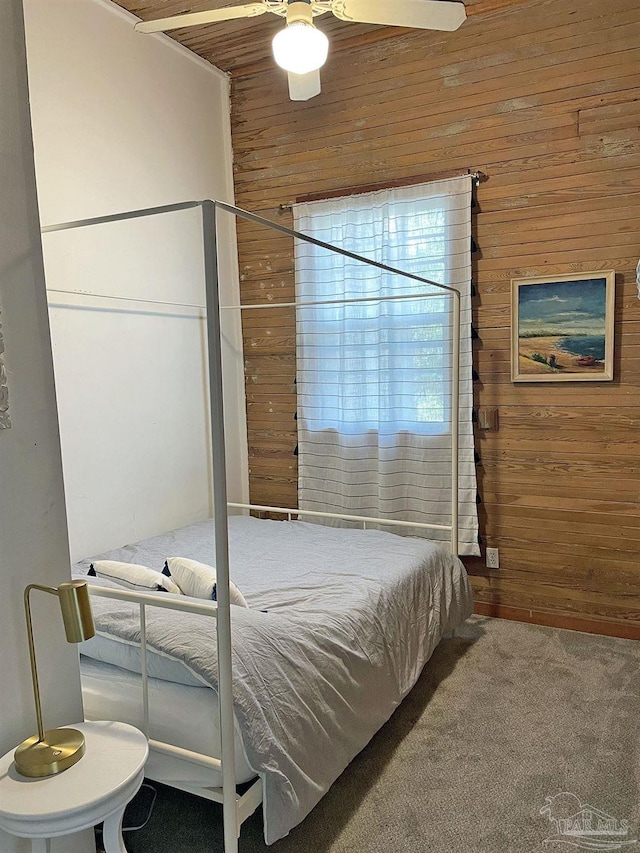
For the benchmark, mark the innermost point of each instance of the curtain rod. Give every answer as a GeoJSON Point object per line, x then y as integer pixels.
{"type": "Point", "coordinates": [476, 175]}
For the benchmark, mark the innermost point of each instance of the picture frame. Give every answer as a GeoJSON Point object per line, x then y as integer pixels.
{"type": "Point", "coordinates": [562, 327]}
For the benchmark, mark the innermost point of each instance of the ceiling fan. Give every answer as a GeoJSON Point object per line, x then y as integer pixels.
{"type": "Point", "coordinates": [300, 48]}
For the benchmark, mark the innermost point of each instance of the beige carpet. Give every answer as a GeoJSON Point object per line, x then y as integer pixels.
{"type": "Point", "coordinates": [504, 716]}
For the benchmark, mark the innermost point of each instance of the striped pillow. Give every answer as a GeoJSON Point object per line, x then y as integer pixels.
{"type": "Point", "coordinates": [133, 576]}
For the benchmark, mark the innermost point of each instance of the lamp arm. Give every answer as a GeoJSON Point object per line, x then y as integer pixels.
{"type": "Point", "coordinates": [32, 652]}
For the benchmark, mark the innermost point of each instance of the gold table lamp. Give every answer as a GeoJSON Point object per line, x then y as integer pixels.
{"type": "Point", "coordinates": [51, 752]}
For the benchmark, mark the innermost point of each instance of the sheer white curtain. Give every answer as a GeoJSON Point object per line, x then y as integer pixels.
{"type": "Point", "coordinates": [374, 378]}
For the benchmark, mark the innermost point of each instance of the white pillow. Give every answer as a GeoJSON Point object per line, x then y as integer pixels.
{"type": "Point", "coordinates": [133, 576]}
{"type": "Point", "coordinates": [110, 649]}
{"type": "Point", "coordinates": [199, 580]}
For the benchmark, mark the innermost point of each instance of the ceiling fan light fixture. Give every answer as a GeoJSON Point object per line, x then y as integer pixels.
{"type": "Point", "coordinates": [300, 48]}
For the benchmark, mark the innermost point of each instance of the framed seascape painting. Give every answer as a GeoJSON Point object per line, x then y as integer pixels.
{"type": "Point", "coordinates": [562, 328]}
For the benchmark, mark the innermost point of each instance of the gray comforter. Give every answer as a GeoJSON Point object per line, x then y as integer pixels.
{"type": "Point", "coordinates": [352, 617]}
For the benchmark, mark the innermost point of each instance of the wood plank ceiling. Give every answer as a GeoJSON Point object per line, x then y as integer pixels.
{"type": "Point", "coordinates": [244, 47]}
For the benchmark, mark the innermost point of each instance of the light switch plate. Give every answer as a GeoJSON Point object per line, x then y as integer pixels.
{"type": "Point", "coordinates": [488, 419]}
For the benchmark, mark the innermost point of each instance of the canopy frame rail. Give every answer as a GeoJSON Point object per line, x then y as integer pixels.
{"type": "Point", "coordinates": [363, 520]}
{"type": "Point", "coordinates": [209, 208]}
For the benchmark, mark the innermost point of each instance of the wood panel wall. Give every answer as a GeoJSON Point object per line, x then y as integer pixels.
{"type": "Point", "coordinates": [545, 99]}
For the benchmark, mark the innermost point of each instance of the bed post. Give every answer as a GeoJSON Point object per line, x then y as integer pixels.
{"type": "Point", "coordinates": [223, 622]}
{"type": "Point", "coordinates": [455, 421]}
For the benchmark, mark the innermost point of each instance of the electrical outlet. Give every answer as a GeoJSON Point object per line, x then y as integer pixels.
{"type": "Point", "coordinates": [493, 558]}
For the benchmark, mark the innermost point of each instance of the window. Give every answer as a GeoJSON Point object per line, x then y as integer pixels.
{"type": "Point", "coordinates": [376, 365]}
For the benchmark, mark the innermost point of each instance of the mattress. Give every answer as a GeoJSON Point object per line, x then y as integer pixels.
{"type": "Point", "coordinates": [339, 626]}
{"type": "Point", "coordinates": [181, 715]}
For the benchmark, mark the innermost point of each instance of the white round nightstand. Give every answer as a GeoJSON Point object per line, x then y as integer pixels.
{"type": "Point", "coordinates": [94, 790]}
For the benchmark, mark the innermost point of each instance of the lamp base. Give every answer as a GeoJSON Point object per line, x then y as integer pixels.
{"type": "Point", "coordinates": [60, 749]}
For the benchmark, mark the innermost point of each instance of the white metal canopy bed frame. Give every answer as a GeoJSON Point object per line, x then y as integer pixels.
{"type": "Point", "coordinates": [238, 807]}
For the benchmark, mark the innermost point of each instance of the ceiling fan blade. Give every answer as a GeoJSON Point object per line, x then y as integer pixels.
{"type": "Point", "coordinates": [192, 19]}
{"type": "Point", "coordinates": [420, 14]}
{"type": "Point", "coordinates": [302, 87]}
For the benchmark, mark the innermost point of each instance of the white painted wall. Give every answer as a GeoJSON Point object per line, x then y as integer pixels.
{"type": "Point", "coordinates": [33, 533]}
{"type": "Point", "coordinates": [124, 121]}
